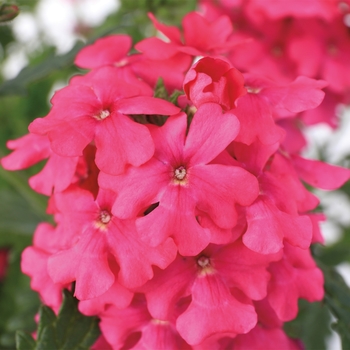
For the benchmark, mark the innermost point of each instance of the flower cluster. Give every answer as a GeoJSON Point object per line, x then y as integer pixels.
{"type": "Point", "coordinates": [284, 40]}
{"type": "Point", "coordinates": [180, 216]}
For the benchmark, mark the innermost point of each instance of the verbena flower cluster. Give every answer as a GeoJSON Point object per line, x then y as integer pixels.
{"type": "Point", "coordinates": [180, 207]}
{"type": "Point", "coordinates": [285, 39]}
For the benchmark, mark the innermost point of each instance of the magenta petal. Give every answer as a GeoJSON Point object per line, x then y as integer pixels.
{"type": "Point", "coordinates": [27, 150]}
{"type": "Point", "coordinates": [319, 174]}
{"type": "Point", "coordinates": [86, 263]}
{"type": "Point", "coordinates": [171, 32]}
{"type": "Point", "coordinates": [205, 35]}
{"type": "Point", "coordinates": [220, 187]}
{"type": "Point", "coordinates": [169, 286]}
{"type": "Point", "coordinates": [210, 133]}
{"type": "Point", "coordinates": [68, 137]}
{"type": "Point", "coordinates": [156, 49]}
{"type": "Point", "coordinates": [134, 257]}
{"type": "Point", "coordinates": [244, 269]}
{"type": "Point", "coordinates": [214, 310]}
{"type": "Point", "coordinates": [117, 295]}
{"type": "Point", "coordinates": [256, 121]}
{"type": "Point", "coordinates": [117, 324]}
{"type": "Point", "coordinates": [137, 188]}
{"type": "Point", "coordinates": [121, 141]}
{"type": "Point", "coordinates": [302, 94]}
{"type": "Point", "coordinates": [145, 105]}
{"type": "Point", "coordinates": [262, 338]}
{"type": "Point", "coordinates": [34, 264]}
{"type": "Point", "coordinates": [159, 334]}
{"type": "Point", "coordinates": [169, 140]}
{"type": "Point", "coordinates": [57, 173]}
{"type": "Point", "coordinates": [175, 217]}
{"type": "Point", "coordinates": [268, 226]}
{"type": "Point", "coordinates": [283, 290]}
{"type": "Point", "coordinates": [105, 51]}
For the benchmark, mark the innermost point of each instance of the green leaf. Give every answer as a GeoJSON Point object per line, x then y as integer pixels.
{"type": "Point", "coordinates": [337, 299]}
{"type": "Point", "coordinates": [24, 341]}
{"type": "Point", "coordinates": [311, 325]}
{"type": "Point", "coordinates": [70, 330]}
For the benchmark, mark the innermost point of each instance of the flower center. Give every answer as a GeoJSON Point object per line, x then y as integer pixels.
{"type": "Point", "coordinates": [205, 267]}
{"type": "Point", "coordinates": [253, 89]}
{"type": "Point", "coordinates": [180, 173]}
{"type": "Point", "coordinates": [160, 322]}
{"type": "Point", "coordinates": [203, 261]}
{"type": "Point", "coordinates": [103, 115]}
{"type": "Point", "coordinates": [123, 62]}
{"type": "Point", "coordinates": [103, 219]}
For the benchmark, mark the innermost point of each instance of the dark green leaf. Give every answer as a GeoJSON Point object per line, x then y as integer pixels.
{"type": "Point", "coordinates": [311, 325]}
{"type": "Point", "coordinates": [70, 330]}
{"type": "Point", "coordinates": [337, 299]}
{"type": "Point", "coordinates": [24, 341]}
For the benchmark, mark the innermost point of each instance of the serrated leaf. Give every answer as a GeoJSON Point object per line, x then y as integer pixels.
{"type": "Point", "coordinates": [76, 330]}
{"type": "Point", "coordinates": [24, 341]}
{"type": "Point", "coordinates": [70, 330]}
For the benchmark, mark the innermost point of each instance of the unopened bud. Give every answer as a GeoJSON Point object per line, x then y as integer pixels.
{"type": "Point", "coordinates": [8, 12]}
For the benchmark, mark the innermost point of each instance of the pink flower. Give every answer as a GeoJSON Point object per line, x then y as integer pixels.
{"type": "Point", "coordinates": [98, 239]}
{"type": "Point", "coordinates": [98, 110]}
{"type": "Point", "coordinates": [133, 327]}
{"type": "Point", "coordinates": [214, 80]}
{"type": "Point", "coordinates": [117, 295]}
{"type": "Point", "coordinates": [320, 174]}
{"type": "Point", "coordinates": [295, 276]}
{"type": "Point", "coordinates": [181, 179]}
{"type": "Point", "coordinates": [201, 37]}
{"type": "Point", "coordinates": [261, 338]}
{"type": "Point", "coordinates": [222, 281]}
{"type": "Point", "coordinates": [272, 9]}
{"type": "Point", "coordinates": [107, 51]}
{"type": "Point", "coordinates": [34, 264]}
{"type": "Point", "coordinates": [114, 50]}
{"type": "Point", "coordinates": [59, 172]}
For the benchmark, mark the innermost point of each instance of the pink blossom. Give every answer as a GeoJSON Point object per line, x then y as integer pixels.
{"type": "Point", "coordinates": [98, 111]}
{"type": "Point", "coordinates": [134, 328]}
{"type": "Point", "coordinates": [201, 37]}
{"type": "Point", "coordinates": [98, 240]}
{"type": "Point", "coordinates": [34, 264]}
{"type": "Point", "coordinates": [261, 338]}
{"type": "Point", "coordinates": [178, 178]}
{"type": "Point", "coordinates": [320, 174]}
{"type": "Point", "coordinates": [106, 51]}
{"type": "Point", "coordinates": [222, 282]}
{"type": "Point", "coordinates": [295, 276]}
{"type": "Point", "coordinates": [214, 80]}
